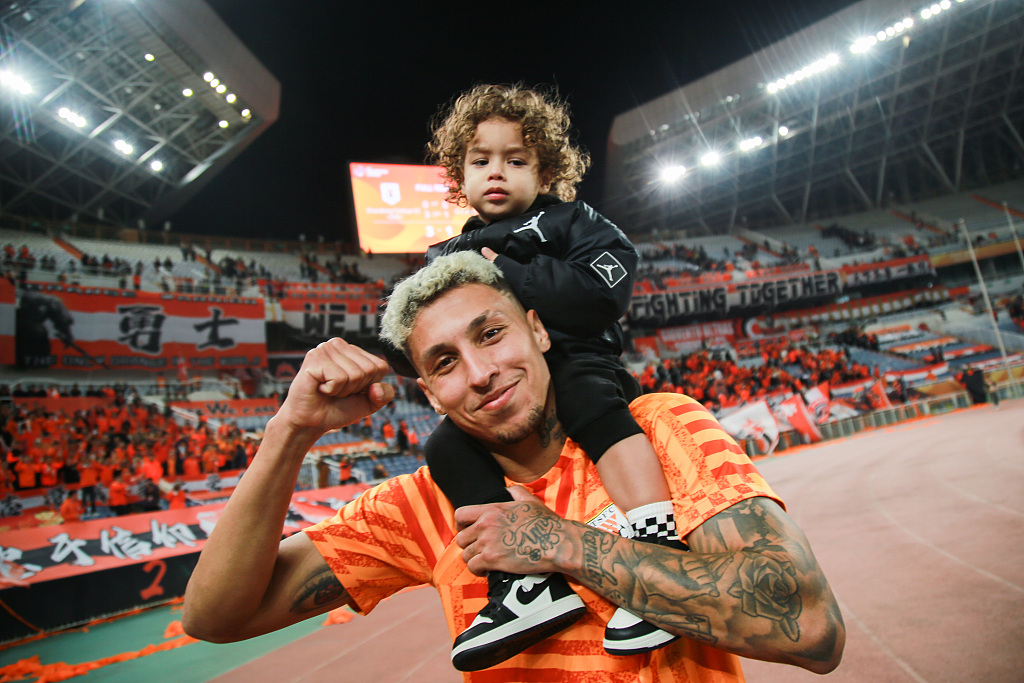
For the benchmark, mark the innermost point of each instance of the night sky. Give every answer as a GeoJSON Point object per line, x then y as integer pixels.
{"type": "Point", "coordinates": [361, 80]}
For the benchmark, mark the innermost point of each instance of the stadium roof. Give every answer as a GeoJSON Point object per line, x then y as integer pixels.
{"type": "Point", "coordinates": [887, 101]}
{"type": "Point", "coordinates": [119, 110]}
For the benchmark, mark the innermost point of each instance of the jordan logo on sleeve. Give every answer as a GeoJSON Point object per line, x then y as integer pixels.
{"type": "Point", "coordinates": [533, 225]}
{"type": "Point", "coordinates": [609, 268]}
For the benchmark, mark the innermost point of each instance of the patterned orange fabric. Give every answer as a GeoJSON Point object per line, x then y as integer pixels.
{"type": "Point", "coordinates": [402, 534]}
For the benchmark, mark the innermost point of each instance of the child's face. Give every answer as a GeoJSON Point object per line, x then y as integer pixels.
{"type": "Point", "coordinates": [502, 176]}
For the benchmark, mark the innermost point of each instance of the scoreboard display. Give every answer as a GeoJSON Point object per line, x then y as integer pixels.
{"type": "Point", "coordinates": [401, 208]}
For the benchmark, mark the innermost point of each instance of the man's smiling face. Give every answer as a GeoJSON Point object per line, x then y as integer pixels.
{"type": "Point", "coordinates": [480, 360]}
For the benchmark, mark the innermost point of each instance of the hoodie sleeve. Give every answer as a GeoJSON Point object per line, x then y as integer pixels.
{"type": "Point", "coordinates": [581, 283]}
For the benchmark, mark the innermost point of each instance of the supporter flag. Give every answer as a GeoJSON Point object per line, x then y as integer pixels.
{"type": "Point", "coordinates": [819, 403]}
{"type": "Point", "coordinates": [795, 410]}
{"type": "Point", "coordinates": [877, 397]}
{"type": "Point", "coordinates": [7, 313]}
{"type": "Point", "coordinates": [753, 421]}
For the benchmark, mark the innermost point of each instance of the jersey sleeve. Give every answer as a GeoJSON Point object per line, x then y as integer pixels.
{"type": "Point", "coordinates": [706, 469]}
{"type": "Point", "coordinates": [387, 539]}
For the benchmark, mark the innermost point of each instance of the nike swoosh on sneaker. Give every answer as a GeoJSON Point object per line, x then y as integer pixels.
{"type": "Point", "coordinates": [536, 596]}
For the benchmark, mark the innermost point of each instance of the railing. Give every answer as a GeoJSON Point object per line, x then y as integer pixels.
{"type": "Point", "coordinates": [979, 334]}
{"type": "Point", "coordinates": [876, 418]}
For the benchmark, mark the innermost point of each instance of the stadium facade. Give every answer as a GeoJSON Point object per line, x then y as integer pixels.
{"type": "Point", "coordinates": [884, 103]}
{"type": "Point", "coordinates": [120, 112]}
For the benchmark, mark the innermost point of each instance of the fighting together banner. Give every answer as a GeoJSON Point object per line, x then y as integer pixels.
{"type": "Point", "coordinates": [85, 328]}
{"type": "Point", "coordinates": [728, 299]}
{"type": "Point", "coordinates": [733, 298]}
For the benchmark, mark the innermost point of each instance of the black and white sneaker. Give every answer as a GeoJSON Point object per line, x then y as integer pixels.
{"type": "Point", "coordinates": [626, 633]}
{"type": "Point", "coordinates": [521, 611]}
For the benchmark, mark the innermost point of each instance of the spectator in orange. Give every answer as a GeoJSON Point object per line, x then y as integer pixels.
{"type": "Point", "coordinates": [89, 474]}
{"type": "Point", "coordinates": [26, 473]}
{"type": "Point", "coordinates": [192, 467]}
{"type": "Point", "coordinates": [151, 469]}
{"type": "Point", "coordinates": [48, 473]}
{"type": "Point", "coordinates": [117, 496]}
{"type": "Point", "coordinates": [177, 498]}
{"type": "Point", "coordinates": [71, 508]}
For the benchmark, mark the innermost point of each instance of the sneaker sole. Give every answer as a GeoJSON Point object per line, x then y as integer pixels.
{"type": "Point", "coordinates": [639, 645]}
{"type": "Point", "coordinates": [507, 641]}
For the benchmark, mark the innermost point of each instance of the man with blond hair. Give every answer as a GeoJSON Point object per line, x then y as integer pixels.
{"type": "Point", "coordinates": [749, 584]}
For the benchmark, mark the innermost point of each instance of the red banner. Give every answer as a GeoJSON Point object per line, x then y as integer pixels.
{"type": "Point", "coordinates": [243, 407]}
{"type": "Point", "coordinates": [326, 314]}
{"type": "Point", "coordinates": [85, 328]}
{"type": "Point", "coordinates": [689, 337]}
{"type": "Point", "coordinates": [6, 322]}
{"type": "Point", "coordinates": [33, 555]}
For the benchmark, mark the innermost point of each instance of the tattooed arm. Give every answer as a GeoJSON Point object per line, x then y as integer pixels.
{"type": "Point", "coordinates": [247, 581]}
{"type": "Point", "coordinates": [750, 584]}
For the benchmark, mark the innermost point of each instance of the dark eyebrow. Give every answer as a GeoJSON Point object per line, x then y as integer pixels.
{"type": "Point", "coordinates": [436, 350]}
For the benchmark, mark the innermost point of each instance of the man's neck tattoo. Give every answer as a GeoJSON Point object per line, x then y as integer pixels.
{"type": "Point", "coordinates": [550, 429]}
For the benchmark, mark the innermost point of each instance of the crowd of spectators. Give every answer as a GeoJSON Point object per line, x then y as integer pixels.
{"type": "Point", "coordinates": [858, 241]}
{"type": "Point", "coordinates": [119, 440]}
{"type": "Point", "coordinates": [719, 381]}
{"type": "Point", "coordinates": [854, 336]}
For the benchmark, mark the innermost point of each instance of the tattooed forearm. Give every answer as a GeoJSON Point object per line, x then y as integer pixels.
{"type": "Point", "coordinates": [750, 585]}
{"type": "Point", "coordinates": [596, 547]}
{"type": "Point", "coordinates": [320, 589]}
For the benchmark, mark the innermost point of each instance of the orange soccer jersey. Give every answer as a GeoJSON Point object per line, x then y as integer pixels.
{"type": "Point", "coordinates": [402, 534]}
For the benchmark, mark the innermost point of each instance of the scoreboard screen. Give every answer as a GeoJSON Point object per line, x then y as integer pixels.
{"type": "Point", "coordinates": [401, 208]}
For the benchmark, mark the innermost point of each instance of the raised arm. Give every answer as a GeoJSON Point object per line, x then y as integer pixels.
{"type": "Point", "coordinates": [750, 584]}
{"type": "Point", "coordinates": [247, 581]}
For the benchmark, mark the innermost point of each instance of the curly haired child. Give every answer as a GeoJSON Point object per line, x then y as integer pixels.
{"type": "Point", "coordinates": [507, 151]}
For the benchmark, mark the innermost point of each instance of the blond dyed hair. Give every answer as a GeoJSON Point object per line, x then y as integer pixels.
{"type": "Point", "coordinates": [428, 284]}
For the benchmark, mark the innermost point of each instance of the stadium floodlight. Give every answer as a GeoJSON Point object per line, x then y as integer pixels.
{"type": "Point", "coordinates": [15, 82]}
{"type": "Point", "coordinates": [945, 4]}
{"type": "Point", "coordinates": [214, 82]}
{"type": "Point", "coordinates": [148, 57]}
{"type": "Point", "coordinates": [671, 174]}
{"type": "Point", "coordinates": [208, 76]}
{"type": "Point", "coordinates": [926, 13]}
{"type": "Point", "coordinates": [246, 113]}
{"type": "Point", "coordinates": [222, 123]}
{"type": "Point", "coordinates": [123, 147]}
{"type": "Point", "coordinates": [783, 131]}
{"type": "Point", "coordinates": [187, 92]}
{"type": "Point", "coordinates": [751, 143]}
{"type": "Point", "coordinates": [710, 158]}
{"type": "Point", "coordinates": [156, 165]}
{"type": "Point", "coordinates": [71, 117]}
{"type": "Point", "coordinates": [230, 97]}
{"type": "Point", "coordinates": [222, 88]}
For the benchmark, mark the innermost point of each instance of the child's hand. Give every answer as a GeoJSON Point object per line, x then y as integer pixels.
{"type": "Point", "coordinates": [489, 253]}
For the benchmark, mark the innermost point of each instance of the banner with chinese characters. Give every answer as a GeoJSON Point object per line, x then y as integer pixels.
{"type": "Point", "coordinates": [317, 317]}
{"type": "Point", "coordinates": [83, 328]}
{"type": "Point", "coordinates": [887, 271]}
{"type": "Point", "coordinates": [6, 322]}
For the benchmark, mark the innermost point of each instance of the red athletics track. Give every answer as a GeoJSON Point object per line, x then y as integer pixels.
{"type": "Point", "coordinates": [919, 527]}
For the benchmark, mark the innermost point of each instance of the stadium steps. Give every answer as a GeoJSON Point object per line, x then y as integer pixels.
{"type": "Point", "coordinates": [68, 247]}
